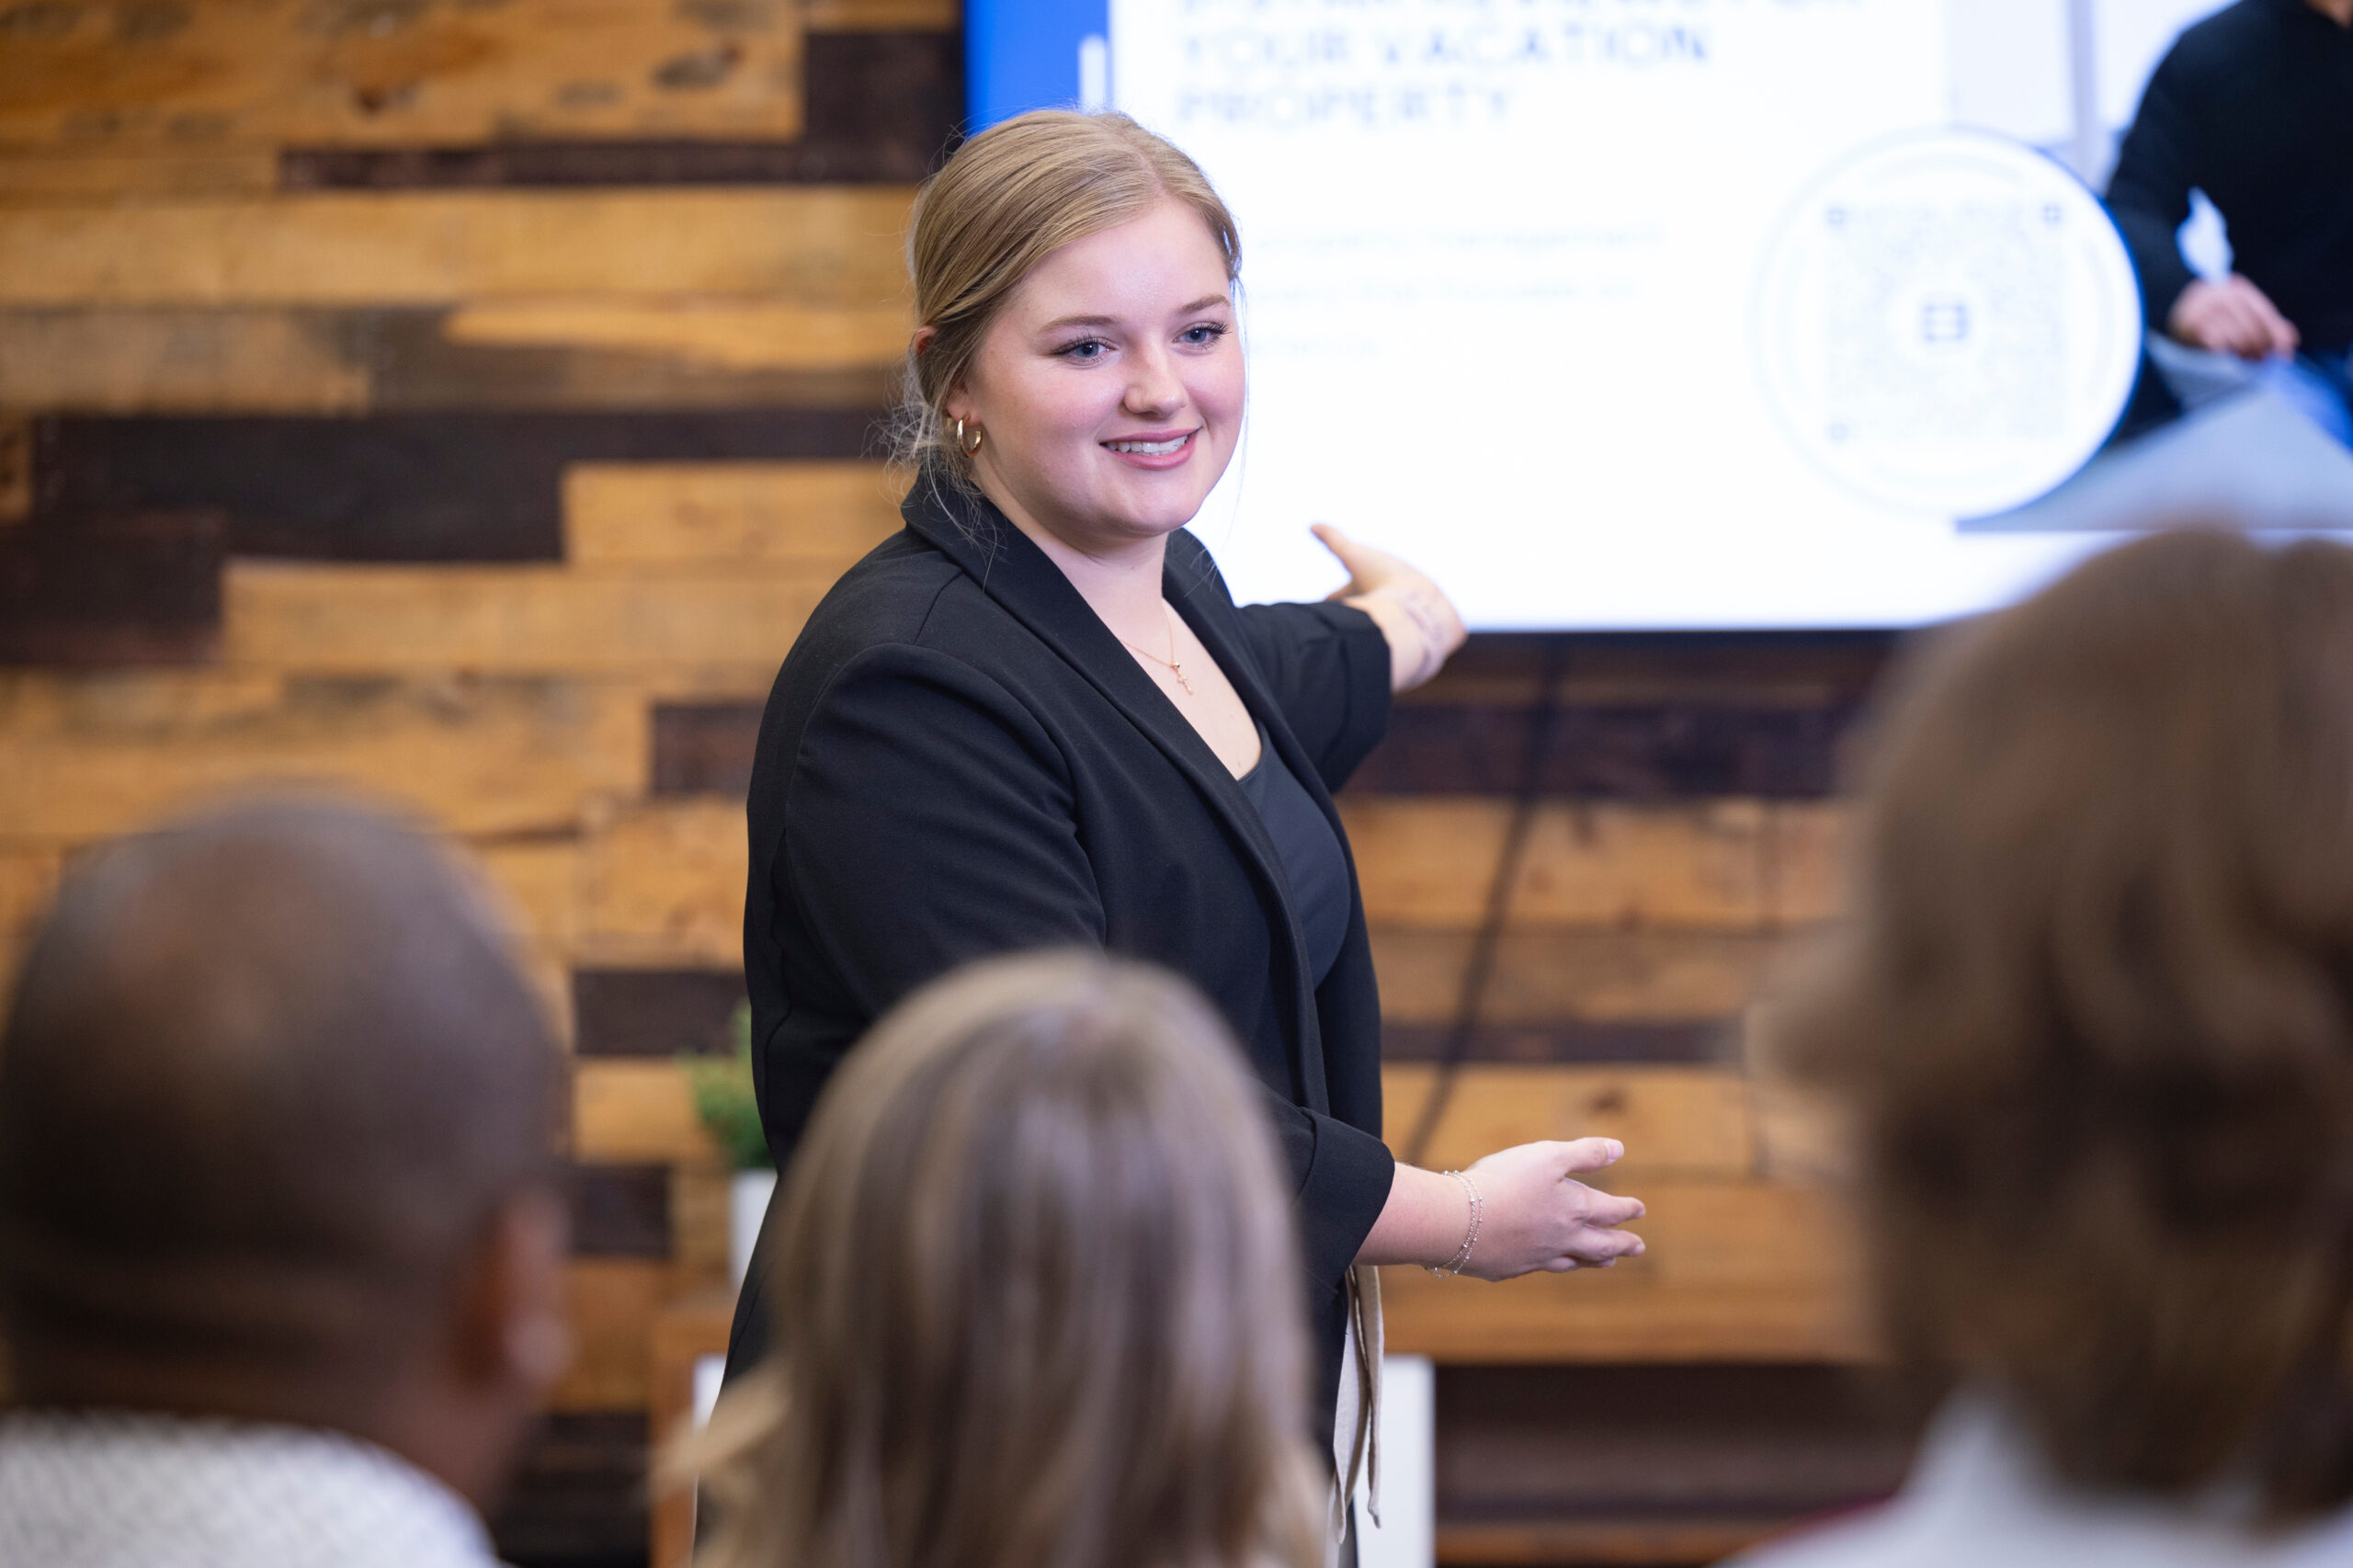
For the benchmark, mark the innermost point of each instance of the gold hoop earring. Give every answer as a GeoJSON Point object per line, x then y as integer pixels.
{"type": "Point", "coordinates": [970, 449]}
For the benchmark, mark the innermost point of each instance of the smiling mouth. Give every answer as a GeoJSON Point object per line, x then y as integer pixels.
{"type": "Point", "coordinates": [1152, 449]}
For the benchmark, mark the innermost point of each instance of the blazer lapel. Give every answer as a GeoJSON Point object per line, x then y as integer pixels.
{"type": "Point", "coordinates": [1018, 576]}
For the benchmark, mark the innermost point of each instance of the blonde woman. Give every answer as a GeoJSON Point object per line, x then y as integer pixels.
{"type": "Point", "coordinates": [1036, 717]}
{"type": "Point", "coordinates": [1035, 1298]}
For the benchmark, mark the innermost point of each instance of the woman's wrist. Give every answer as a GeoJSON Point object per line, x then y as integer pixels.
{"type": "Point", "coordinates": [1411, 629]}
{"type": "Point", "coordinates": [1424, 1223]}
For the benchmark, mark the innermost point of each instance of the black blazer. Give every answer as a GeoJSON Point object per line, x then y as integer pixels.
{"type": "Point", "coordinates": [960, 759]}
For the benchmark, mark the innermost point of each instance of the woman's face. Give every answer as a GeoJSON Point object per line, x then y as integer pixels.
{"type": "Point", "coordinates": [1109, 390]}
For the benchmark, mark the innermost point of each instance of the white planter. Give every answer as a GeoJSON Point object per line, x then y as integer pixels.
{"type": "Point", "coordinates": [748, 1205]}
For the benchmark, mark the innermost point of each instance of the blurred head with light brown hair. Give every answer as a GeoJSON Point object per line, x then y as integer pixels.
{"type": "Point", "coordinates": [2095, 1013]}
{"type": "Point", "coordinates": [1018, 1290]}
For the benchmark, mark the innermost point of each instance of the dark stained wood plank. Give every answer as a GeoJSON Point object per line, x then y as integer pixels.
{"type": "Point", "coordinates": [1669, 1445]}
{"type": "Point", "coordinates": [883, 108]}
{"type": "Point", "coordinates": [656, 1012]}
{"type": "Point", "coordinates": [166, 74]}
{"type": "Point", "coordinates": [1701, 1042]}
{"type": "Point", "coordinates": [413, 487]}
{"type": "Point", "coordinates": [112, 589]}
{"type": "Point", "coordinates": [621, 1210]}
{"type": "Point", "coordinates": [579, 1498]}
{"type": "Point", "coordinates": [705, 748]}
{"type": "Point", "coordinates": [1634, 752]}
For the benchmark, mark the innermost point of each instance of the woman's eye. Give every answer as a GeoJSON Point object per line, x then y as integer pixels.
{"type": "Point", "coordinates": [1084, 349]}
{"type": "Point", "coordinates": [1201, 336]}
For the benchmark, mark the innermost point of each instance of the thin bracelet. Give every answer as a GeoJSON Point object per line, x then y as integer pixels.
{"type": "Point", "coordinates": [1470, 1237]}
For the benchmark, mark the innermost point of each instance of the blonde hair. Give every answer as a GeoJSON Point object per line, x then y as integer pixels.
{"type": "Point", "coordinates": [1035, 1298]}
{"type": "Point", "coordinates": [1009, 198]}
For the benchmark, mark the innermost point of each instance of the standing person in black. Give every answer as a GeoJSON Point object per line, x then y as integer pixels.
{"type": "Point", "coordinates": [1036, 719]}
{"type": "Point", "coordinates": [2253, 106]}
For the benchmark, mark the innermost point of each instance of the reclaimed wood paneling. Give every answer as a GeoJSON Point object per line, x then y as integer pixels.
{"type": "Point", "coordinates": [365, 620]}
{"type": "Point", "coordinates": [611, 1306]}
{"type": "Point", "coordinates": [1568, 972]}
{"type": "Point", "coordinates": [89, 758]}
{"type": "Point", "coordinates": [1658, 1463]}
{"type": "Point", "coordinates": [823, 514]}
{"type": "Point", "coordinates": [885, 98]}
{"type": "Point", "coordinates": [660, 1013]}
{"type": "Point", "coordinates": [665, 884]}
{"type": "Point", "coordinates": [879, 16]}
{"type": "Point", "coordinates": [583, 355]}
{"type": "Point", "coordinates": [578, 1496]}
{"type": "Point", "coordinates": [399, 488]}
{"type": "Point", "coordinates": [621, 1210]}
{"type": "Point", "coordinates": [537, 879]}
{"type": "Point", "coordinates": [170, 72]}
{"type": "Point", "coordinates": [1691, 1043]}
{"type": "Point", "coordinates": [705, 748]}
{"type": "Point", "coordinates": [1735, 1271]}
{"type": "Point", "coordinates": [636, 1112]}
{"type": "Point", "coordinates": [111, 590]}
{"type": "Point", "coordinates": [51, 175]}
{"type": "Point", "coordinates": [1677, 1123]}
{"type": "Point", "coordinates": [814, 246]}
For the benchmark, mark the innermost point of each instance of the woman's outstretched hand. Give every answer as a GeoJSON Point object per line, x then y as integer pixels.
{"type": "Point", "coordinates": [1538, 1218]}
{"type": "Point", "coordinates": [1533, 1214]}
{"type": "Point", "coordinates": [1412, 612]}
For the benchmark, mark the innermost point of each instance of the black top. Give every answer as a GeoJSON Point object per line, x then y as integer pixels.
{"type": "Point", "coordinates": [2253, 106]}
{"type": "Point", "coordinates": [960, 759]}
{"type": "Point", "coordinates": [1315, 865]}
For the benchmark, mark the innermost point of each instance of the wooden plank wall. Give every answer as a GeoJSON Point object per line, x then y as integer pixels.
{"type": "Point", "coordinates": [423, 398]}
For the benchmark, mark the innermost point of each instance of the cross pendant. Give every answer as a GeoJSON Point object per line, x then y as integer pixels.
{"type": "Point", "coordinates": [1178, 671]}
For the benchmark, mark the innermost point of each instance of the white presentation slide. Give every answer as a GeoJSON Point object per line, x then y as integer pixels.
{"type": "Point", "coordinates": [1658, 314]}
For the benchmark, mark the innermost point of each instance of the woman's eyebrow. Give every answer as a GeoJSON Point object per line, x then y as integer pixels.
{"type": "Point", "coordinates": [1060, 322]}
{"type": "Point", "coordinates": [1204, 302]}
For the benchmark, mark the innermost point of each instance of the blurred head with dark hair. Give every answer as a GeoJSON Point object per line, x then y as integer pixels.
{"type": "Point", "coordinates": [276, 1143]}
{"type": "Point", "coordinates": [2095, 1014]}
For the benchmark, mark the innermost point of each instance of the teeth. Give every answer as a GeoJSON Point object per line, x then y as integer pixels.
{"type": "Point", "coordinates": [1149, 448]}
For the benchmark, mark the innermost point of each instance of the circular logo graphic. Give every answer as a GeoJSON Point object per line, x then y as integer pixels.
{"type": "Point", "coordinates": [1948, 323]}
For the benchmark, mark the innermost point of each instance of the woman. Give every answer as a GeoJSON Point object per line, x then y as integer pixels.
{"type": "Point", "coordinates": [1036, 719]}
{"type": "Point", "coordinates": [1024, 1271]}
{"type": "Point", "coordinates": [2097, 1019]}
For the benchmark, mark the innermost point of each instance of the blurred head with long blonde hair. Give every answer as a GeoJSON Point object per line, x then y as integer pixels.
{"type": "Point", "coordinates": [1019, 1290]}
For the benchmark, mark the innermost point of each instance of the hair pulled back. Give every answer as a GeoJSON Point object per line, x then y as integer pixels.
{"type": "Point", "coordinates": [1009, 198]}
{"type": "Point", "coordinates": [2095, 1016]}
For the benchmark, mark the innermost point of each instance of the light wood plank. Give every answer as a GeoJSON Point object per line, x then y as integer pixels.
{"type": "Point", "coordinates": [826, 513]}
{"type": "Point", "coordinates": [51, 175]}
{"type": "Point", "coordinates": [362, 620]}
{"type": "Point", "coordinates": [1429, 861]}
{"type": "Point", "coordinates": [728, 335]}
{"type": "Point", "coordinates": [91, 756]}
{"type": "Point", "coordinates": [129, 361]}
{"type": "Point", "coordinates": [355, 72]}
{"type": "Point", "coordinates": [1734, 1272]}
{"type": "Point", "coordinates": [664, 884]}
{"type": "Point", "coordinates": [1808, 866]}
{"type": "Point", "coordinates": [1592, 975]}
{"type": "Point", "coordinates": [628, 1111]}
{"type": "Point", "coordinates": [884, 16]}
{"type": "Point", "coordinates": [617, 353]}
{"type": "Point", "coordinates": [1601, 1542]}
{"type": "Point", "coordinates": [538, 884]}
{"type": "Point", "coordinates": [613, 1304]}
{"type": "Point", "coordinates": [816, 245]}
{"type": "Point", "coordinates": [1675, 1122]}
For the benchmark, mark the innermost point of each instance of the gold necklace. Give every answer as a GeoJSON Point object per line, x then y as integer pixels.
{"type": "Point", "coordinates": [1174, 668]}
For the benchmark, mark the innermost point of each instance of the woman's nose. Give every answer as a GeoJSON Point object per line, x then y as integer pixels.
{"type": "Point", "coordinates": [1153, 388]}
